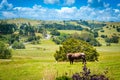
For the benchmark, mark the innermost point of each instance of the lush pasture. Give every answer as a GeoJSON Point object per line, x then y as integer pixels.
{"type": "Point", "coordinates": [36, 62]}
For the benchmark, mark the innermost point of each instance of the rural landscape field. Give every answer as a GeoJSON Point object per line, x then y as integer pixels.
{"type": "Point", "coordinates": [59, 40]}
{"type": "Point", "coordinates": [37, 62]}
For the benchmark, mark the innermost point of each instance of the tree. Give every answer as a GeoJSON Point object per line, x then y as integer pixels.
{"type": "Point", "coordinates": [55, 32]}
{"type": "Point", "coordinates": [6, 28]}
{"type": "Point", "coordinates": [5, 52]}
{"type": "Point", "coordinates": [74, 45]}
{"type": "Point", "coordinates": [113, 39]}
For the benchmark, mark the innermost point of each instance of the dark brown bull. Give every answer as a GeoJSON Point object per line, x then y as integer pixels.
{"type": "Point", "coordinates": [73, 56]}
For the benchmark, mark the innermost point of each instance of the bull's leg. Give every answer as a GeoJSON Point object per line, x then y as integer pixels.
{"type": "Point", "coordinates": [71, 61]}
{"type": "Point", "coordinates": [84, 61]}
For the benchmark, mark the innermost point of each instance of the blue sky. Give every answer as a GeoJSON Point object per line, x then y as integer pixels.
{"type": "Point", "coordinates": [101, 10]}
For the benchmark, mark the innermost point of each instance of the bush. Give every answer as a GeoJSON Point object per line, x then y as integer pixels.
{"type": "Point", "coordinates": [5, 53]}
{"type": "Point", "coordinates": [103, 36]}
{"type": "Point", "coordinates": [85, 75]}
{"type": "Point", "coordinates": [102, 31]}
{"type": "Point", "coordinates": [18, 45]}
{"type": "Point", "coordinates": [55, 32]}
{"type": "Point", "coordinates": [75, 45]}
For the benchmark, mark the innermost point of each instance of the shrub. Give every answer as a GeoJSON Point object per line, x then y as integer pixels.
{"type": "Point", "coordinates": [103, 36]}
{"type": "Point", "coordinates": [55, 32]}
{"type": "Point", "coordinates": [18, 45]}
{"type": "Point", "coordinates": [74, 45]}
{"type": "Point", "coordinates": [102, 31]}
{"type": "Point", "coordinates": [84, 75]}
{"type": "Point", "coordinates": [113, 39]}
{"type": "Point", "coordinates": [5, 53]}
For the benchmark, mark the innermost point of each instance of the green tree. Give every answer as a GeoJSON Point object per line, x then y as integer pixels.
{"type": "Point", "coordinates": [5, 52]}
{"type": "Point", "coordinates": [74, 45]}
{"type": "Point", "coordinates": [112, 39]}
{"type": "Point", "coordinates": [55, 32]}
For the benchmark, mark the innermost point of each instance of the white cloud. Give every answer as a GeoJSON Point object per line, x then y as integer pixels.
{"type": "Point", "coordinates": [40, 12]}
{"type": "Point", "coordinates": [7, 14]}
{"type": "Point", "coordinates": [118, 4]}
{"type": "Point", "coordinates": [106, 4]}
{"type": "Point", "coordinates": [4, 5]}
{"type": "Point", "coordinates": [51, 1]}
{"type": "Point", "coordinates": [90, 1]}
{"type": "Point", "coordinates": [116, 10]}
{"type": "Point", "coordinates": [66, 12]}
{"type": "Point", "coordinates": [69, 2]}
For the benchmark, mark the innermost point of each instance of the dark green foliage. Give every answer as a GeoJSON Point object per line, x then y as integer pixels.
{"type": "Point", "coordinates": [66, 26]}
{"type": "Point", "coordinates": [113, 39]}
{"type": "Point", "coordinates": [103, 36]}
{"type": "Point", "coordinates": [118, 29]}
{"type": "Point", "coordinates": [5, 52]}
{"type": "Point", "coordinates": [84, 75]}
{"type": "Point", "coordinates": [95, 34]}
{"type": "Point", "coordinates": [102, 31]}
{"type": "Point", "coordinates": [13, 38]}
{"type": "Point", "coordinates": [27, 30]}
{"type": "Point", "coordinates": [33, 38]}
{"type": "Point", "coordinates": [74, 45]}
{"type": "Point", "coordinates": [95, 42]}
{"type": "Point", "coordinates": [6, 28]}
{"type": "Point", "coordinates": [3, 38]}
{"type": "Point", "coordinates": [18, 45]}
{"type": "Point", "coordinates": [55, 32]}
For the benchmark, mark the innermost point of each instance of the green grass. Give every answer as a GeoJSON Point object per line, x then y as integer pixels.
{"type": "Point", "coordinates": [36, 62]}
{"type": "Point", "coordinates": [69, 31]}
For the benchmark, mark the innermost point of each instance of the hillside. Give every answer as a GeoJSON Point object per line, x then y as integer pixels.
{"type": "Point", "coordinates": [40, 28]}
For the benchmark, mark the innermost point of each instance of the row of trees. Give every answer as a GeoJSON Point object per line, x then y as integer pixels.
{"type": "Point", "coordinates": [65, 26]}
{"type": "Point", "coordinates": [6, 28]}
{"type": "Point", "coordinates": [92, 24]}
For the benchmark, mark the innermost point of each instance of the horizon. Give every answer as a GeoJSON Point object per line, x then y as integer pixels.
{"type": "Point", "coordinates": [98, 10]}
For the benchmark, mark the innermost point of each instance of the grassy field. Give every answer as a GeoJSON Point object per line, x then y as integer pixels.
{"type": "Point", "coordinates": [36, 62]}
{"type": "Point", "coordinates": [69, 31]}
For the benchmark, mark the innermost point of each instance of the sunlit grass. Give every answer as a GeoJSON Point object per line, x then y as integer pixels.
{"type": "Point", "coordinates": [36, 62]}
{"type": "Point", "coordinates": [69, 31]}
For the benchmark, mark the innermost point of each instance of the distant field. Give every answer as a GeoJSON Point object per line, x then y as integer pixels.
{"type": "Point", "coordinates": [69, 31]}
{"type": "Point", "coordinates": [36, 62]}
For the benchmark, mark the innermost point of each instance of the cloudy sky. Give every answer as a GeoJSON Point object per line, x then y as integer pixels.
{"type": "Point", "coordinates": [102, 10]}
